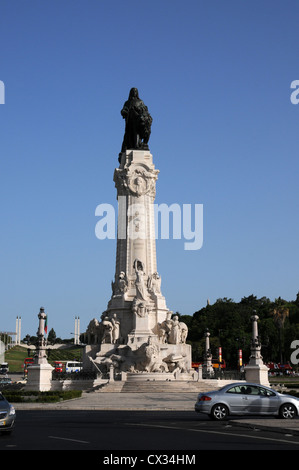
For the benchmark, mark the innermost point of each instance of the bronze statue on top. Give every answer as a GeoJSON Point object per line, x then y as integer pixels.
{"type": "Point", "coordinates": [138, 123]}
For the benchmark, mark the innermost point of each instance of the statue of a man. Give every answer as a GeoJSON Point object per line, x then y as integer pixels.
{"type": "Point", "coordinates": [138, 123]}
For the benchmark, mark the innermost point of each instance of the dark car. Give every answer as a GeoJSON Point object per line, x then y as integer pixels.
{"type": "Point", "coordinates": [5, 381]}
{"type": "Point", "coordinates": [4, 368]}
{"type": "Point", "coordinates": [7, 415]}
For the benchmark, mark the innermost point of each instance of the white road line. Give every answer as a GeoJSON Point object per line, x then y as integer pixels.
{"type": "Point", "coordinates": [215, 432]}
{"type": "Point", "coordinates": [67, 439]}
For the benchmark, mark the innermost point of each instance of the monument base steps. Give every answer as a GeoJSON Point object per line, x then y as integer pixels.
{"type": "Point", "coordinates": [159, 386]}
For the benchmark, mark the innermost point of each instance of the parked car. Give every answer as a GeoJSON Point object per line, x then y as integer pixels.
{"type": "Point", "coordinates": [246, 399]}
{"type": "Point", "coordinates": [5, 381]}
{"type": "Point", "coordinates": [7, 415]}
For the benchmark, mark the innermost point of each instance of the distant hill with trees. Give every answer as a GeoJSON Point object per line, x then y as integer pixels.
{"type": "Point", "coordinates": [230, 327]}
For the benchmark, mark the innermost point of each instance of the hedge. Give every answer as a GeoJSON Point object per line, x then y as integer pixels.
{"type": "Point", "coordinates": [40, 397]}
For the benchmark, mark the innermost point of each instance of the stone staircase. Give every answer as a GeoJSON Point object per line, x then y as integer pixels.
{"type": "Point", "coordinates": [112, 387]}
{"type": "Point", "coordinates": [159, 386]}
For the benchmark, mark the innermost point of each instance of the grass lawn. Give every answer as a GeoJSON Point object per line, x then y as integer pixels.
{"type": "Point", "coordinates": [16, 355]}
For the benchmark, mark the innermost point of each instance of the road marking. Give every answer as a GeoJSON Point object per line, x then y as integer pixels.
{"type": "Point", "coordinates": [67, 439]}
{"type": "Point", "coordinates": [214, 432]}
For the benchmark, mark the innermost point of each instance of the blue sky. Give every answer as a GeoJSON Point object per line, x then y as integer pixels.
{"type": "Point", "coordinates": [216, 78]}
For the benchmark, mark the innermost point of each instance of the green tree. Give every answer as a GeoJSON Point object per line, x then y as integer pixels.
{"type": "Point", "coordinates": [52, 336]}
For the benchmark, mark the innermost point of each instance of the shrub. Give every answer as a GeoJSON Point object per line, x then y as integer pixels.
{"type": "Point", "coordinates": [40, 397]}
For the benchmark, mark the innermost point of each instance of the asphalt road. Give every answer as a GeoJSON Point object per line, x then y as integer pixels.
{"type": "Point", "coordinates": [181, 433]}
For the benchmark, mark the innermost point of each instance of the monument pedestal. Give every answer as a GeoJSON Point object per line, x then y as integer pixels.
{"type": "Point", "coordinates": [39, 377]}
{"type": "Point", "coordinates": [256, 371]}
{"type": "Point", "coordinates": [257, 374]}
{"type": "Point", "coordinates": [137, 332]}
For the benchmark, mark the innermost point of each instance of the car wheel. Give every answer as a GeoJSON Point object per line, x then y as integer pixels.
{"type": "Point", "coordinates": [219, 412]}
{"type": "Point", "coordinates": [287, 411]}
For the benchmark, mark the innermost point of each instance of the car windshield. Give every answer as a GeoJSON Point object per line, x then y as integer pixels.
{"type": "Point", "coordinates": [1, 397]}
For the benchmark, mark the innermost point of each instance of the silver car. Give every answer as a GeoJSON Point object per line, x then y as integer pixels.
{"type": "Point", "coordinates": [7, 415]}
{"type": "Point", "coordinates": [246, 399]}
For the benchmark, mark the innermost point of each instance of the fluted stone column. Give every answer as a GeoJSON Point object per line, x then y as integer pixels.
{"type": "Point", "coordinates": [256, 371]}
{"type": "Point", "coordinates": [40, 373]}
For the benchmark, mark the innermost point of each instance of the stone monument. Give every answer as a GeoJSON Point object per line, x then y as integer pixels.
{"type": "Point", "coordinates": [40, 373]}
{"type": "Point", "coordinates": [137, 333]}
{"type": "Point", "coordinates": [207, 364]}
{"type": "Point", "coordinates": [256, 371]}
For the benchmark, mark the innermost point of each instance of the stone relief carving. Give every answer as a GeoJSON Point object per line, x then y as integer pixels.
{"type": "Point", "coordinates": [137, 180]}
{"type": "Point", "coordinates": [147, 358]}
{"type": "Point", "coordinates": [140, 308]}
{"type": "Point", "coordinates": [141, 181]}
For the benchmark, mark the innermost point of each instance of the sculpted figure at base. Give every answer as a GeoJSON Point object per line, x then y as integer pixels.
{"type": "Point", "coordinates": [103, 363]}
{"type": "Point", "coordinates": [152, 360]}
{"type": "Point", "coordinates": [172, 331]}
{"type": "Point", "coordinates": [177, 363]}
{"type": "Point", "coordinates": [110, 329]}
{"type": "Point", "coordinates": [94, 332]}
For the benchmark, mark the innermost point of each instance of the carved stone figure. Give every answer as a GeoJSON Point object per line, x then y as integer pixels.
{"type": "Point", "coordinates": [138, 123]}
{"type": "Point", "coordinates": [177, 363]}
{"type": "Point", "coordinates": [153, 361]}
{"type": "Point", "coordinates": [175, 332]}
{"type": "Point", "coordinates": [108, 328]}
{"type": "Point", "coordinates": [110, 359]}
{"type": "Point", "coordinates": [121, 285]}
{"type": "Point", "coordinates": [165, 328]}
{"type": "Point", "coordinates": [172, 331]}
{"type": "Point", "coordinates": [116, 329]}
{"type": "Point", "coordinates": [154, 283]}
{"type": "Point", "coordinates": [139, 283]}
{"type": "Point", "coordinates": [94, 331]}
{"type": "Point", "coordinates": [184, 332]}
